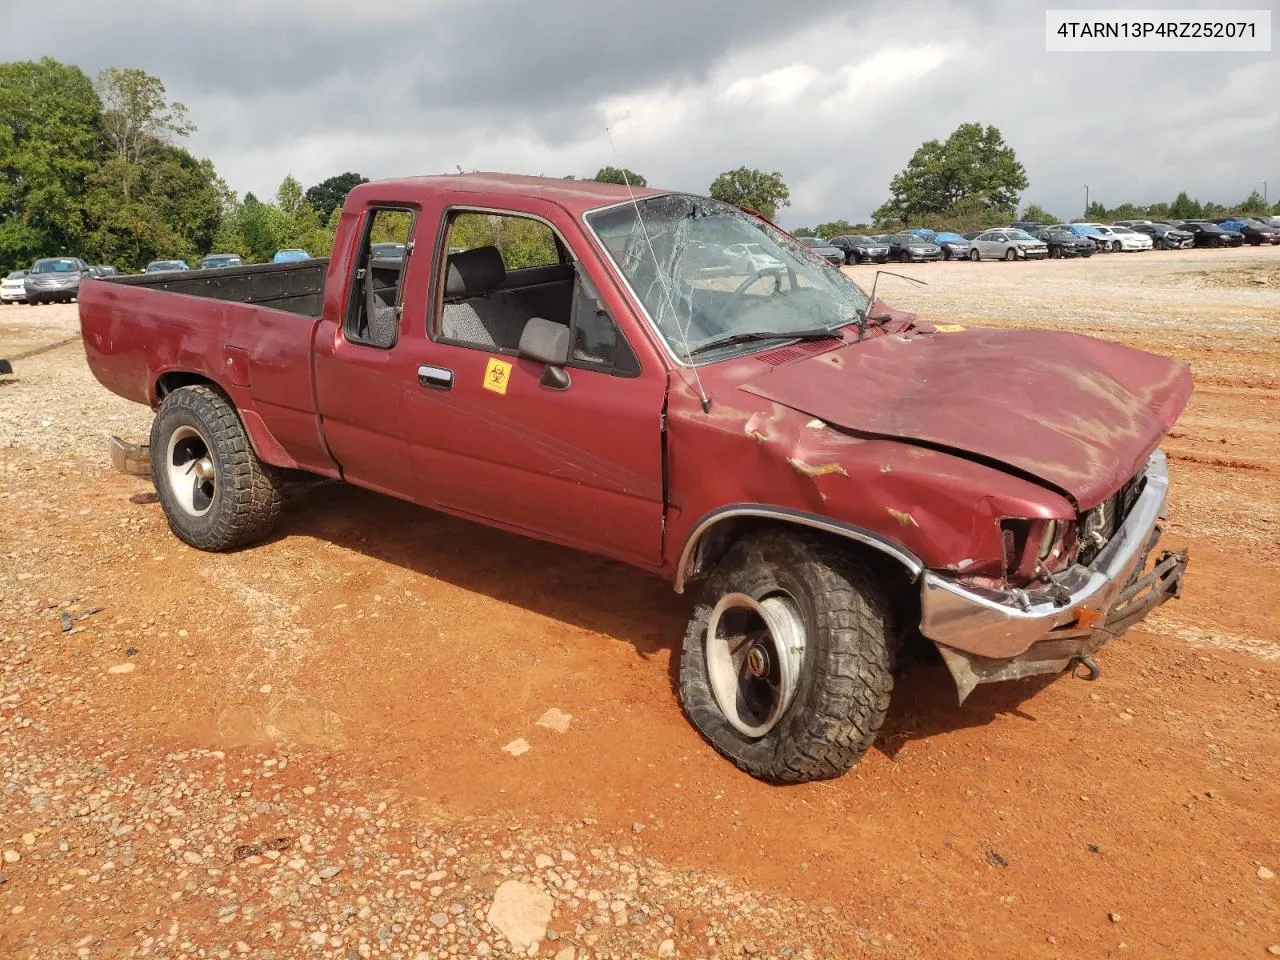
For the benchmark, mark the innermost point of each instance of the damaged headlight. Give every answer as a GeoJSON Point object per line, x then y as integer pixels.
{"type": "Point", "coordinates": [1032, 546]}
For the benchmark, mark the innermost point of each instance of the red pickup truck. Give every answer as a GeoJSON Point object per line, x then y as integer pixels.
{"type": "Point", "coordinates": [673, 382]}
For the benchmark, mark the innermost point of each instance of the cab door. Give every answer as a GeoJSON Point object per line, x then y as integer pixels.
{"type": "Point", "coordinates": [574, 457]}
{"type": "Point", "coordinates": [363, 362]}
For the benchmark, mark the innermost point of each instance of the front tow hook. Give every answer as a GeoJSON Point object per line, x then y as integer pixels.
{"type": "Point", "coordinates": [1093, 671]}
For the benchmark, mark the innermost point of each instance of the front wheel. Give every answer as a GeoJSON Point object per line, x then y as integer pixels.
{"type": "Point", "coordinates": [1011, 254]}
{"type": "Point", "coordinates": [974, 255]}
{"type": "Point", "coordinates": [216, 493]}
{"type": "Point", "coordinates": [786, 663]}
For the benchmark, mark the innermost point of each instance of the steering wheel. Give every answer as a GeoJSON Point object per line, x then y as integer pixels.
{"type": "Point", "coordinates": [745, 285]}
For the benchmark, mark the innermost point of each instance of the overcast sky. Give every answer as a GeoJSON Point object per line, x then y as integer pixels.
{"type": "Point", "coordinates": [835, 96]}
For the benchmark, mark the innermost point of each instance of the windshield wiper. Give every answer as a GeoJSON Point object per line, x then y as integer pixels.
{"type": "Point", "coordinates": [752, 335]}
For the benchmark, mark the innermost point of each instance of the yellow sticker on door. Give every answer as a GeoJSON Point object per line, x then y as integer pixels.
{"type": "Point", "coordinates": [496, 375]}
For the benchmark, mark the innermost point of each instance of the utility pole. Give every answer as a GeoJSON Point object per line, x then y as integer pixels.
{"type": "Point", "coordinates": [1086, 200]}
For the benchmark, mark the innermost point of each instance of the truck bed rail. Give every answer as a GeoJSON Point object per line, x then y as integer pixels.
{"type": "Point", "coordinates": [295, 287]}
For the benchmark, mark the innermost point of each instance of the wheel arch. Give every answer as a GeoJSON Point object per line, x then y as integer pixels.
{"type": "Point", "coordinates": [712, 536]}
{"type": "Point", "coordinates": [264, 442]}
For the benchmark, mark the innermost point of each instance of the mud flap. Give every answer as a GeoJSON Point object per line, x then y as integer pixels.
{"type": "Point", "coordinates": [131, 458]}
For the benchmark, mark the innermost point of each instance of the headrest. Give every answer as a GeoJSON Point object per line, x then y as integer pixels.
{"type": "Point", "coordinates": [474, 273]}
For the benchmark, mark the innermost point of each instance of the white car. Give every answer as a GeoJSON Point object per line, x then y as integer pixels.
{"type": "Point", "coordinates": [1131, 239]}
{"type": "Point", "coordinates": [1110, 239]}
{"type": "Point", "coordinates": [13, 289]}
{"type": "Point", "coordinates": [754, 257]}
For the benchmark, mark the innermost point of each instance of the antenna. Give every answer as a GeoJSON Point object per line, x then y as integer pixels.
{"type": "Point", "coordinates": [662, 278]}
{"type": "Point", "coordinates": [871, 299]}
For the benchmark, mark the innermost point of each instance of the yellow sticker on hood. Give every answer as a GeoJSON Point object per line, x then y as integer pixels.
{"type": "Point", "coordinates": [948, 327]}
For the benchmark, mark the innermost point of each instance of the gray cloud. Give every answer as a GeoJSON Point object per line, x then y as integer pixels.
{"type": "Point", "coordinates": [836, 98]}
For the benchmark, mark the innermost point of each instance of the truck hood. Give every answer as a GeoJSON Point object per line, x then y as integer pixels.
{"type": "Point", "coordinates": [1075, 413]}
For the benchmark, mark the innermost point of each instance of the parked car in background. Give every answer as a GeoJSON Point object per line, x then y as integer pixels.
{"type": "Point", "coordinates": [163, 266]}
{"type": "Point", "coordinates": [55, 279]}
{"type": "Point", "coordinates": [218, 261]}
{"type": "Point", "coordinates": [1208, 234]}
{"type": "Point", "coordinates": [288, 256]}
{"type": "Point", "coordinates": [1254, 231]}
{"type": "Point", "coordinates": [1086, 231]}
{"type": "Point", "coordinates": [1164, 236]}
{"type": "Point", "coordinates": [823, 249]}
{"type": "Point", "coordinates": [1063, 243]}
{"type": "Point", "coordinates": [1106, 237]}
{"type": "Point", "coordinates": [912, 248]}
{"type": "Point", "coordinates": [13, 289]}
{"type": "Point", "coordinates": [858, 248]}
{"type": "Point", "coordinates": [387, 251]}
{"type": "Point", "coordinates": [1131, 240]}
{"type": "Point", "coordinates": [882, 237]}
{"type": "Point", "coordinates": [1007, 244]}
{"type": "Point", "coordinates": [106, 270]}
{"type": "Point", "coordinates": [954, 246]}
{"type": "Point", "coordinates": [1031, 226]}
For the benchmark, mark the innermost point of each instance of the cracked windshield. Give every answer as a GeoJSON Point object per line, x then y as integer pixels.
{"type": "Point", "coordinates": [713, 278]}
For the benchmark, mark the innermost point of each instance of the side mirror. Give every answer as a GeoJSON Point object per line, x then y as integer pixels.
{"type": "Point", "coordinates": [547, 343]}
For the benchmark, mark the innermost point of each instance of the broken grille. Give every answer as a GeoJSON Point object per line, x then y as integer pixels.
{"type": "Point", "coordinates": [1096, 527]}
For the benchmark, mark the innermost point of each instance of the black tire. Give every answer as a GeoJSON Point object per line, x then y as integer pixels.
{"type": "Point", "coordinates": [1011, 254]}
{"type": "Point", "coordinates": [1055, 253]}
{"type": "Point", "coordinates": [974, 255]}
{"type": "Point", "coordinates": [844, 677]}
{"type": "Point", "coordinates": [246, 497]}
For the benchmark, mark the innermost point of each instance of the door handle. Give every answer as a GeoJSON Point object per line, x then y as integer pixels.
{"type": "Point", "coordinates": [438, 378]}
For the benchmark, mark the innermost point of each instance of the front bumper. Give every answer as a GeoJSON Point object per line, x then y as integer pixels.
{"type": "Point", "coordinates": [987, 635]}
{"type": "Point", "coordinates": [13, 296]}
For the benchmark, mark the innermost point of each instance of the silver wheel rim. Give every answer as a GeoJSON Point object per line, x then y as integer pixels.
{"type": "Point", "coordinates": [754, 650]}
{"type": "Point", "coordinates": [193, 478]}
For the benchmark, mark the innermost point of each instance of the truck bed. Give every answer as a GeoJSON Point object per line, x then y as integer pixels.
{"type": "Point", "coordinates": [296, 287]}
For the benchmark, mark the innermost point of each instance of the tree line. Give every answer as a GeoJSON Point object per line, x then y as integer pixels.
{"type": "Point", "coordinates": [96, 168]}
{"type": "Point", "coordinates": [973, 180]}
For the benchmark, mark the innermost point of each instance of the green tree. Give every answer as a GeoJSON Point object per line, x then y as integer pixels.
{"type": "Point", "coordinates": [1184, 208]}
{"type": "Point", "coordinates": [1095, 212]}
{"type": "Point", "coordinates": [752, 189]}
{"type": "Point", "coordinates": [523, 242]}
{"type": "Point", "coordinates": [50, 143]}
{"type": "Point", "coordinates": [329, 194]}
{"type": "Point", "coordinates": [974, 163]}
{"type": "Point", "coordinates": [137, 118]}
{"type": "Point", "coordinates": [1038, 214]}
{"type": "Point", "coordinates": [619, 175]}
{"type": "Point", "coordinates": [1253, 205]}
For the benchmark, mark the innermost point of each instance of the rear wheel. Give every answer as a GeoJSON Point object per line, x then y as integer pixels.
{"type": "Point", "coordinates": [216, 493]}
{"type": "Point", "coordinates": [785, 668]}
